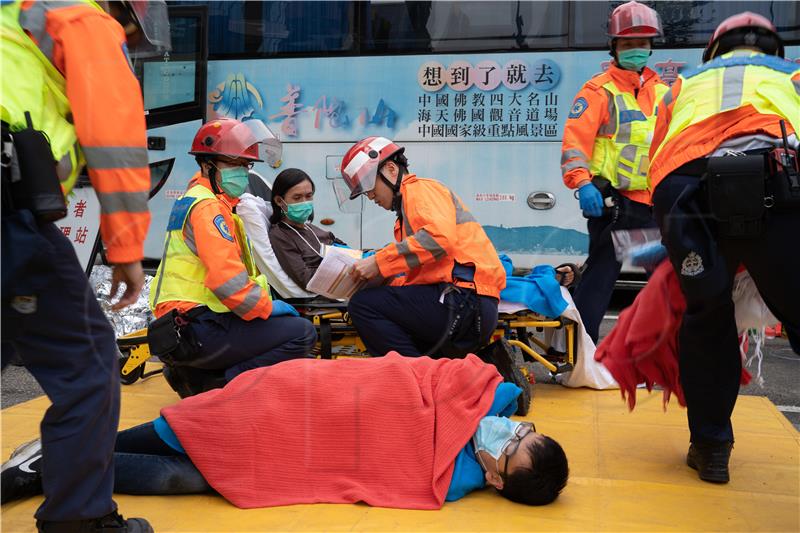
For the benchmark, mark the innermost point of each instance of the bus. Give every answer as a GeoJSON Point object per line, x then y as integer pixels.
{"type": "Point", "coordinates": [476, 91]}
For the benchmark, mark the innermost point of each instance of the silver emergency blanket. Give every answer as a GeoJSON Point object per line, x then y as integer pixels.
{"type": "Point", "coordinates": [130, 319]}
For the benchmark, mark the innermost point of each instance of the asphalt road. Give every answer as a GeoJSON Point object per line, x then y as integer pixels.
{"type": "Point", "coordinates": [780, 370]}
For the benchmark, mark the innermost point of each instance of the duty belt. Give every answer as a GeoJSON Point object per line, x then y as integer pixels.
{"type": "Point", "coordinates": [697, 167]}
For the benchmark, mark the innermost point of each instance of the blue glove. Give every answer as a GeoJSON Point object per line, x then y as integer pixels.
{"type": "Point", "coordinates": [648, 255]}
{"type": "Point", "coordinates": [281, 308]}
{"type": "Point", "coordinates": [591, 200]}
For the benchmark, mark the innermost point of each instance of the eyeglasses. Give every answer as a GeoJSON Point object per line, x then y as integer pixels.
{"type": "Point", "coordinates": [230, 164]}
{"type": "Point", "coordinates": [511, 447]}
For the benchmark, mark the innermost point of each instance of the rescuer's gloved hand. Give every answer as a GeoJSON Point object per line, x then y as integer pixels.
{"type": "Point", "coordinates": [591, 200]}
{"type": "Point", "coordinates": [648, 255]}
{"type": "Point", "coordinates": [281, 308]}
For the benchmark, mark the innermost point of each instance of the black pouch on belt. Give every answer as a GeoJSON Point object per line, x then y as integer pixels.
{"type": "Point", "coordinates": [39, 189]}
{"type": "Point", "coordinates": [736, 188]}
{"type": "Point", "coordinates": [784, 181]}
{"type": "Point", "coordinates": [170, 339]}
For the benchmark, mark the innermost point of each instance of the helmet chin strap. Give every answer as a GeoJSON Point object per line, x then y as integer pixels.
{"type": "Point", "coordinates": [212, 177]}
{"type": "Point", "coordinates": [396, 196]}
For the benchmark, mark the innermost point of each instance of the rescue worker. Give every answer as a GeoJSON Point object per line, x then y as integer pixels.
{"type": "Point", "coordinates": [605, 152]}
{"type": "Point", "coordinates": [723, 196]}
{"type": "Point", "coordinates": [208, 276]}
{"type": "Point", "coordinates": [69, 99]}
{"type": "Point", "coordinates": [445, 300]}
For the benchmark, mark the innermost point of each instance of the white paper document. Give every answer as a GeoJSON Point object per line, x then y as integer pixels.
{"type": "Point", "coordinates": [332, 278]}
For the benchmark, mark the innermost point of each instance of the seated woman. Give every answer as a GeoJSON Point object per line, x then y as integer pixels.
{"type": "Point", "coordinates": [298, 244]}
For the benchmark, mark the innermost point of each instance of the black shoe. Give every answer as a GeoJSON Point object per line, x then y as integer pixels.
{"type": "Point", "coordinates": [501, 355]}
{"type": "Point", "coordinates": [710, 460]}
{"type": "Point", "coordinates": [21, 475]}
{"type": "Point", "coordinates": [110, 523]}
{"type": "Point", "coordinates": [188, 381]}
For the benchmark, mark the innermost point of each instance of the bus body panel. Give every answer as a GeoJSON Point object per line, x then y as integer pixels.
{"type": "Point", "coordinates": [320, 106]}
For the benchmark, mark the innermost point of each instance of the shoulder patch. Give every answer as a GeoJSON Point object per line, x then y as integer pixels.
{"type": "Point", "coordinates": [578, 107]}
{"type": "Point", "coordinates": [180, 209]}
{"type": "Point", "coordinates": [222, 227]}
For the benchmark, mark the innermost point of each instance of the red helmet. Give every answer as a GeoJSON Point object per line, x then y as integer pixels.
{"type": "Point", "coordinates": [361, 163]}
{"type": "Point", "coordinates": [734, 29]}
{"type": "Point", "coordinates": [633, 19]}
{"type": "Point", "coordinates": [228, 137]}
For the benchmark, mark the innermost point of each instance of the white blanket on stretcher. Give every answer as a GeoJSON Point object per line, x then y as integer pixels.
{"type": "Point", "coordinates": [587, 372]}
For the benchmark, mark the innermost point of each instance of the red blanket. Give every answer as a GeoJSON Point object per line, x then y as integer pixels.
{"type": "Point", "coordinates": [643, 345]}
{"type": "Point", "coordinates": [384, 431]}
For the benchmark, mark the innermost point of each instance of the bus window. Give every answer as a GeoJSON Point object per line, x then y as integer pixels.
{"type": "Point", "coordinates": [465, 26]}
{"type": "Point", "coordinates": [685, 23]}
{"type": "Point", "coordinates": [260, 29]}
{"type": "Point", "coordinates": [173, 86]}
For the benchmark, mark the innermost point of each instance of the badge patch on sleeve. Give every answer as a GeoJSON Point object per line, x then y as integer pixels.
{"type": "Point", "coordinates": [222, 226]}
{"type": "Point", "coordinates": [578, 107]}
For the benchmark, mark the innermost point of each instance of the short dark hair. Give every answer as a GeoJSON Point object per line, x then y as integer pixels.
{"type": "Point", "coordinates": [541, 483]}
{"type": "Point", "coordinates": [400, 160]}
{"type": "Point", "coordinates": [284, 181]}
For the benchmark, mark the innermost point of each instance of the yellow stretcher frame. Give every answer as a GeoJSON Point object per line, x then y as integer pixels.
{"type": "Point", "coordinates": [335, 330]}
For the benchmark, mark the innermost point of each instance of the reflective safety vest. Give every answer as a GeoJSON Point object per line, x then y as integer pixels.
{"type": "Point", "coordinates": [623, 159]}
{"type": "Point", "coordinates": [181, 274]}
{"type": "Point", "coordinates": [31, 83]}
{"type": "Point", "coordinates": [732, 81]}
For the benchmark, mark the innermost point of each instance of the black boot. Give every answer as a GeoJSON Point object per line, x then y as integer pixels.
{"type": "Point", "coordinates": [710, 460]}
{"type": "Point", "coordinates": [188, 381]}
{"type": "Point", "coordinates": [110, 523]}
{"type": "Point", "coordinates": [501, 355]}
{"type": "Point", "coordinates": [21, 475]}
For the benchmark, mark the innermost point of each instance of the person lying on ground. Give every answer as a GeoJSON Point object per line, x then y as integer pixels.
{"type": "Point", "coordinates": [391, 432]}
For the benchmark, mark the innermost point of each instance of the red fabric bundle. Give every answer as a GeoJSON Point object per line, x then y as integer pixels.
{"type": "Point", "coordinates": [643, 345]}
{"type": "Point", "coordinates": [385, 431]}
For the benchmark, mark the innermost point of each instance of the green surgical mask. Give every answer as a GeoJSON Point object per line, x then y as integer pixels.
{"type": "Point", "coordinates": [299, 212]}
{"type": "Point", "coordinates": [633, 59]}
{"type": "Point", "coordinates": [233, 181]}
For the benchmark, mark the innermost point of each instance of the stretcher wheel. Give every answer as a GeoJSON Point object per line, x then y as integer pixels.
{"type": "Point", "coordinates": [134, 375]}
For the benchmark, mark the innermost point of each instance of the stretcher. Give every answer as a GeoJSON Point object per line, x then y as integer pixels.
{"type": "Point", "coordinates": [336, 337]}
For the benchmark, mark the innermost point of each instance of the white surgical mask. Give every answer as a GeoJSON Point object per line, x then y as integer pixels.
{"type": "Point", "coordinates": [493, 434]}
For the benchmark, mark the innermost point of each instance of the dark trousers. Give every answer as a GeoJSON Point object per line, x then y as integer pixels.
{"type": "Point", "coordinates": [706, 263]}
{"type": "Point", "coordinates": [411, 320]}
{"type": "Point", "coordinates": [145, 464]}
{"type": "Point", "coordinates": [66, 343]}
{"type": "Point", "coordinates": [234, 345]}
{"type": "Point", "coordinates": [593, 294]}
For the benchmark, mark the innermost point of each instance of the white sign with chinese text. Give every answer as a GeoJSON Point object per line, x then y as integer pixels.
{"type": "Point", "coordinates": [82, 223]}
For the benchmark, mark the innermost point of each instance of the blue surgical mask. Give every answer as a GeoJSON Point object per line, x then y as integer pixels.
{"type": "Point", "coordinates": [233, 181]}
{"type": "Point", "coordinates": [633, 59]}
{"type": "Point", "coordinates": [299, 212]}
{"type": "Point", "coordinates": [493, 433]}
